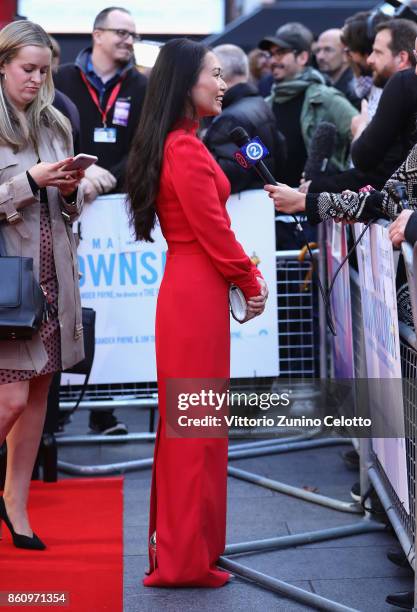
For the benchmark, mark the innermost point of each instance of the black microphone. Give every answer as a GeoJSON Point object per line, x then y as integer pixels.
{"type": "Point", "coordinates": [240, 137]}
{"type": "Point", "coordinates": [320, 150]}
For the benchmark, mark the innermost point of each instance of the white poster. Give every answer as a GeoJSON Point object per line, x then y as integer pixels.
{"type": "Point", "coordinates": [255, 349]}
{"type": "Point", "coordinates": [156, 17]}
{"type": "Point", "coordinates": [121, 279]}
{"type": "Point", "coordinates": [382, 349]}
{"type": "Point", "coordinates": [342, 343]}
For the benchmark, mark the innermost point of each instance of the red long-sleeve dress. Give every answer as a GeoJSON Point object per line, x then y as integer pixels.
{"type": "Point", "coordinates": [188, 495]}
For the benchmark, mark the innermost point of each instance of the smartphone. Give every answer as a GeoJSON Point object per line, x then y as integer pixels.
{"type": "Point", "coordinates": [82, 161]}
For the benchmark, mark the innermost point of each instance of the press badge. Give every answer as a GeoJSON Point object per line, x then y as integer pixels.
{"type": "Point", "coordinates": [121, 112]}
{"type": "Point", "coordinates": [105, 135]}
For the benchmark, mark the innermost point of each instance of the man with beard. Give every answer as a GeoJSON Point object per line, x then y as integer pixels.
{"type": "Point", "coordinates": [332, 61]}
{"type": "Point", "coordinates": [108, 91]}
{"type": "Point", "coordinates": [380, 147]}
{"type": "Point", "coordinates": [300, 100]}
{"type": "Point", "coordinates": [392, 52]}
{"type": "Point", "coordinates": [358, 35]}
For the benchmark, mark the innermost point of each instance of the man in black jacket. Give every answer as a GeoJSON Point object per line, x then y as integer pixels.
{"type": "Point", "coordinates": [242, 106]}
{"type": "Point", "coordinates": [68, 108]}
{"type": "Point", "coordinates": [394, 120]}
{"type": "Point", "coordinates": [380, 147]}
{"type": "Point", "coordinates": [332, 61]}
{"type": "Point", "coordinates": [108, 91]}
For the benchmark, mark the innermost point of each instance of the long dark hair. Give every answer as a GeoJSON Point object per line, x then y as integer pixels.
{"type": "Point", "coordinates": [175, 72]}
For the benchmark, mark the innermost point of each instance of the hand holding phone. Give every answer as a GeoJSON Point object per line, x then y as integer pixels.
{"type": "Point", "coordinates": [82, 161]}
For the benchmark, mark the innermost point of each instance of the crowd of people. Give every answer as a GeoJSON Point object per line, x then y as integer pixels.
{"type": "Point", "coordinates": [361, 78]}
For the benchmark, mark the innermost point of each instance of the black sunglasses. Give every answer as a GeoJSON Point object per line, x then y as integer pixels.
{"type": "Point", "coordinates": [122, 34]}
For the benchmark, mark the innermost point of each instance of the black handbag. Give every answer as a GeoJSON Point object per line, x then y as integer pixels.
{"type": "Point", "coordinates": [22, 301]}
{"type": "Point", "coordinates": [89, 323]}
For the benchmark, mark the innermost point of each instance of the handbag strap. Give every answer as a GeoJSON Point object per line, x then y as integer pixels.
{"type": "Point", "coordinates": [81, 395]}
{"type": "Point", "coordinates": [3, 251]}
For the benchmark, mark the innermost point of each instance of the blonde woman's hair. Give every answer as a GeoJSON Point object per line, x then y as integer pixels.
{"type": "Point", "coordinates": [40, 113]}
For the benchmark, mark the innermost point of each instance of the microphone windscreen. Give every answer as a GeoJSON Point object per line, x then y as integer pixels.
{"type": "Point", "coordinates": [239, 136]}
{"type": "Point", "coordinates": [321, 149]}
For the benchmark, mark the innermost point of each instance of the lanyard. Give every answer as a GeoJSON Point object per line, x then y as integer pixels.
{"type": "Point", "coordinates": [112, 98]}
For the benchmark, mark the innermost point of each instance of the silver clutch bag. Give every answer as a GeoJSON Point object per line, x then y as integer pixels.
{"type": "Point", "coordinates": [238, 305]}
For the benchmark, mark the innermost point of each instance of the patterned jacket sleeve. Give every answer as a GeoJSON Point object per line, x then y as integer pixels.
{"type": "Point", "coordinates": [366, 206]}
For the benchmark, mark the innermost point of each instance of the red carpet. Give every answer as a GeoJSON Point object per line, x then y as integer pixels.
{"type": "Point", "coordinates": [81, 522]}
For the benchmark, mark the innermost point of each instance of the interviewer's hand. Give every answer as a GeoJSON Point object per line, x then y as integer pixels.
{"type": "Point", "coordinates": [102, 180]}
{"type": "Point", "coordinates": [397, 228]}
{"type": "Point", "coordinates": [286, 199]}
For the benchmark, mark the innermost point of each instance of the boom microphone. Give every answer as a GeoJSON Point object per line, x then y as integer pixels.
{"type": "Point", "coordinates": [241, 138]}
{"type": "Point", "coordinates": [321, 149]}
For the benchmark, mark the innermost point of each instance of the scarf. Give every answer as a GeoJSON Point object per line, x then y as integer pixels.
{"type": "Point", "coordinates": [362, 86]}
{"type": "Point", "coordinates": [287, 90]}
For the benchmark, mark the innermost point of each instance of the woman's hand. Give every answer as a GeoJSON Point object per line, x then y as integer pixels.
{"type": "Point", "coordinates": [256, 305]}
{"type": "Point", "coordinates": [264, 287]}
{"type": "Point", "coordinates": [69, 185]}
{"type": "Point", "coordinates": [47, 174]}
{"type": "Point", "coordinates": [286, 199]}
{"type": "Point", "coordinates": [397, 228]}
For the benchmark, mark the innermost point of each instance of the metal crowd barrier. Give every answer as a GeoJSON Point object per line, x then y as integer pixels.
{"type": "Point", "coordinates": [371, 470]}
{"type": "Point", "coordinates": [295, 296]}
{"type": "Point", "coordinates": [366, 525]}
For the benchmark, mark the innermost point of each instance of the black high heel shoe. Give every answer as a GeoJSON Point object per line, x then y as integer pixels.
{"type": "Point", "coordinates": [19, 540]}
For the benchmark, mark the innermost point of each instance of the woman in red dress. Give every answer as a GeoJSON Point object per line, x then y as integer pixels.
{"type": "Point", "coordinates": [172, 175]}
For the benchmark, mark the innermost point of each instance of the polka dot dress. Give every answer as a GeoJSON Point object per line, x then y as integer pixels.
{"type": "Point", "coordinates": [49, 331]}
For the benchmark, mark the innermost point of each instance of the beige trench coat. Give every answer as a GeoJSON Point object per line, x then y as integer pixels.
{"type": "Point", "coordinates": [22, 237]}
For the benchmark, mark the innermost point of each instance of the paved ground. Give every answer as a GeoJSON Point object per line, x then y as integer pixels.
{"type": "Point", "coordinates": [353, 571]}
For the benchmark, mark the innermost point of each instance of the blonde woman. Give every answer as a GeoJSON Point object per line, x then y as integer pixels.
{"type": "Point", "coordinates": [38, 201]}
